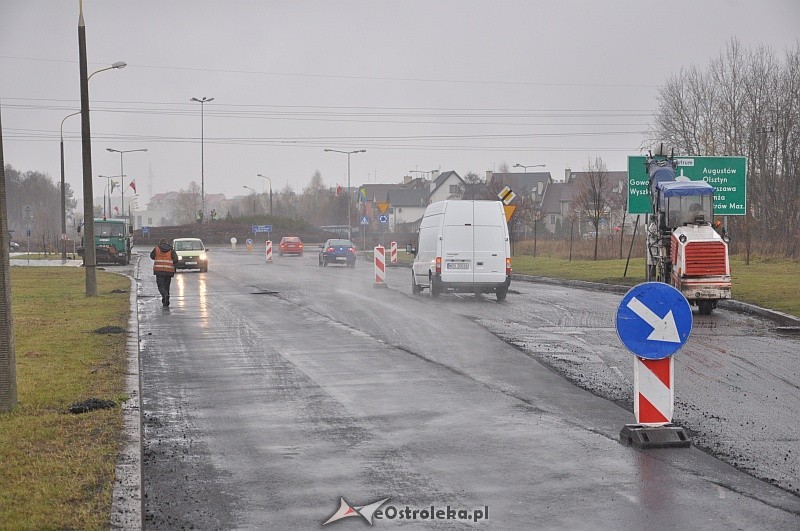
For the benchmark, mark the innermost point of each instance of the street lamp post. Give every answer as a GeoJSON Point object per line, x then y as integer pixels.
{"type": "Point", "coordinates": [523, 166]}
{"type": "Point", "coordinates": [122, 174]}
{"type": "Point", "coordinates": [108, 178]}
{"type": "Point", "coordinates": [202, 101]}
{"type": "Point", "coordinates": [117, 65]}
{"type": "Point", "coordinates": [254, 198]}
{"type": "Point", "coordinates": [349, 199]}
{"type": "Point", "coordinates": [270, 192]}
{"type": "Point", "coordinates": [64, 193]}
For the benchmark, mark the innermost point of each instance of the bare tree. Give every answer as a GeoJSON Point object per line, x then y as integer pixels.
{"type": "Point", "coordinates": [594, 196]}
{"type": "Point", "coordinates": [187, 204]}
{"type": "Point", "coordinates": [744, 103]}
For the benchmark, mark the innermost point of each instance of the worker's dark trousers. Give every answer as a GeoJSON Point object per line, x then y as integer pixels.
{"type": "Point", "coordinates": [163, 281]}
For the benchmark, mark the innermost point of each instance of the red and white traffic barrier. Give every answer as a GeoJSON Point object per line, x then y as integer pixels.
{"type": "Point", "coordinates": [393, 253]}
{"type": "Point", "coordinates": [269, 251]}
{"type": "Point", "coordinates": [654, 391]}
{"type": "Point", "coordinates": [380, 267]}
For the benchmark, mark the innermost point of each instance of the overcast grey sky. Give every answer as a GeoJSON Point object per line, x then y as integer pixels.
{"type": "Point", "coordinates": [461, 85]}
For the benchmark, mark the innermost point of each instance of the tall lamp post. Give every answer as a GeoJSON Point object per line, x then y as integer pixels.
{"type": "Point", "coordinates": [117, 65]}
{"type": "Point", "coordinates": [523, 166]}
{"type": "Point", "coordinates": [254, 197]}
{"type": "Point", "coordinates": [122, 173]}
{"type": "Point", "coordinates": [270, 192]}
{"type": "Point", "coordinates": [64, 193]}
{"type": "Point", "coordinates": [349, 199]}
{"type": "Point", "coordinates": [109, 180]}
{"type": "Point", "coordinates": [202, 101]}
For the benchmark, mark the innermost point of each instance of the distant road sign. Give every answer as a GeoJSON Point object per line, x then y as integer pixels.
{"type": "Point", "coordinates": [364, 220]}
{"type": "Point", "coordinates": [654, 320]}
{"type": "Point", "coordinates": [145, 231]}
{"type": "Point", "coordinates": [506, 195]}
{"type": "Point", "coordinates": [383, 218]}
{"type": "Point", "coordinates": [262, 228]}
{"type": "Point", "coordinates": [728, 176]}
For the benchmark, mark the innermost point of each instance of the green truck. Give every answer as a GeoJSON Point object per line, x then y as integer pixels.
{"type": "Point", "coordinates": [113, 239]}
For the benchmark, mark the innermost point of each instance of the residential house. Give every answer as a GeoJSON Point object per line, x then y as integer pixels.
{"type": "Point", "coordinates": [558, 199]}
{"type": "Point", "coordinates": [407, 208]}
{"type": "Point", "coordinates": [446, 185]}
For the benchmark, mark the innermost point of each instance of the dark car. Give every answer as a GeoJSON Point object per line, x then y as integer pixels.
{"type": "Point", "coordinates": [13, 246]}
{"type": "Point", "coordinates": [336, 251]}
{"type": "Point", "coordinates": [290, 245]}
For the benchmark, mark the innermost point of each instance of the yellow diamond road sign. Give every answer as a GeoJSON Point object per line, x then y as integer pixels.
{"type": "Point", "coordinates": [506, 195]}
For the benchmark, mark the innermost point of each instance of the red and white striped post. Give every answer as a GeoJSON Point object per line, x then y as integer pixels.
{"type": "Point", "coordinates": [653, 391]}
{"type": "Point", "coordinates": [380, 267]}
{"type": "Point", "coordinates": [393, 253]}
{"type": "Point", "coordinates": [269, 251]}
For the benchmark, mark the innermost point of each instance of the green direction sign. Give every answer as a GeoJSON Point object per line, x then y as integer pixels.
{"type": "Point", "coordinates": [728, 176]}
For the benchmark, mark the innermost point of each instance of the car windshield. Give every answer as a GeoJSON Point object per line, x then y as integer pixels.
{"type": "Point", "coordinates": [340, 243]}
{"type": "Point", "coordinates": [291, 239]}
{"type": "Point", "coordinates": [188, 245]}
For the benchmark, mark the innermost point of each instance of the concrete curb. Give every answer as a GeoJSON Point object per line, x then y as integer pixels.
{"type": "Point", "coordinates": [126, 499]}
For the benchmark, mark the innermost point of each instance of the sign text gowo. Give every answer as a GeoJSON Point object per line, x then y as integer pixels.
{"type": "Point", "coordinates": [728, 176]}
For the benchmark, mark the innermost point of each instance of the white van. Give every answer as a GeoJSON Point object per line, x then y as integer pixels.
{"type": "Point", "coordinates": [462, 246]}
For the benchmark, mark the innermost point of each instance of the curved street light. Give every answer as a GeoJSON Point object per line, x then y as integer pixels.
{"type": "Point", "coordinates": [109, 180]}
{"type": "Point", "coordinates": [254, 197]}
{"type": "Point", "coordinates": [349, 199]}
{"type": "Point", "coordinates": [528, 166]}
{"type": "Point", "coordinates": [202, 101]}
{"type": "Point", "coordinates": [270, 192]}
{"type": "Point", "coordinates": [117, 65]}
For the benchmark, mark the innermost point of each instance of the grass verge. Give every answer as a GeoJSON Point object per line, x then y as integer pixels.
{"type": "Point", "coordinates": [58, 468]}
{"type": "Point", "coordinates": [767, 282]}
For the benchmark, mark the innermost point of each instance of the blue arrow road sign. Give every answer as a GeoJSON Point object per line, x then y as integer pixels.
{"type": "Point", "coordinates": [383, 218]}
{"type": "Point", "coordinates": [654, 320]}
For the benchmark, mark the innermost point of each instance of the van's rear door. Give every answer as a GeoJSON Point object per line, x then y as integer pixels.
{"type": "Point", "coordinates": [458, 242]}
{"type": "Point", "coordinates": [489, 243]}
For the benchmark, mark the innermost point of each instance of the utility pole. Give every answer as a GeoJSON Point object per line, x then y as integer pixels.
{"type": "Point", "coordinates": [8, 370]}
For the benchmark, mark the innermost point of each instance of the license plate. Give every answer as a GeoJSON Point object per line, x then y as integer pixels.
{"type": "Point", "coordinates": [191, 263]}
{"type": "Point", "coordinates": [457, 265]}
{"type": "Point", "coordinates": [341, 258]}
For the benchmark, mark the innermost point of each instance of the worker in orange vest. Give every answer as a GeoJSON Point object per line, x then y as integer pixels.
{"type": "Point", "coordinates": [165, 261]}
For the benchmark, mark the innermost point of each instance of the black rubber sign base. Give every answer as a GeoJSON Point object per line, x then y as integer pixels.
{"type": "Point", "coordinates": [666, 436]}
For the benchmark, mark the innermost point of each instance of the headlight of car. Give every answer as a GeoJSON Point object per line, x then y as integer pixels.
{"type": "Point", "coordinates": [202, 258]}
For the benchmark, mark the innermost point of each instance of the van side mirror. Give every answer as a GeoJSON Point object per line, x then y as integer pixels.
{"type": "Point", "coordinates": [410, 249]}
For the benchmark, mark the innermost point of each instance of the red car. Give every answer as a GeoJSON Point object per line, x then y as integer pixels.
{"type": "Point", "coordinates": [290, 245]}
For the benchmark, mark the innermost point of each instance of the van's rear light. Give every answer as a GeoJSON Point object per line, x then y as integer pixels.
{"type": "Point", "coordinates": [329, 250]}
{"type": "Point", "coordinates": [508, 266]}
{"type": "Point", "coordinates": [438, 265]}
{"type": "Point", "coordinates": [352, 249]}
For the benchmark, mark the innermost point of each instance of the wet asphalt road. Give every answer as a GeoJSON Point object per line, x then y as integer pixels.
{"type": "Point", "coordinates": [270, 390]}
